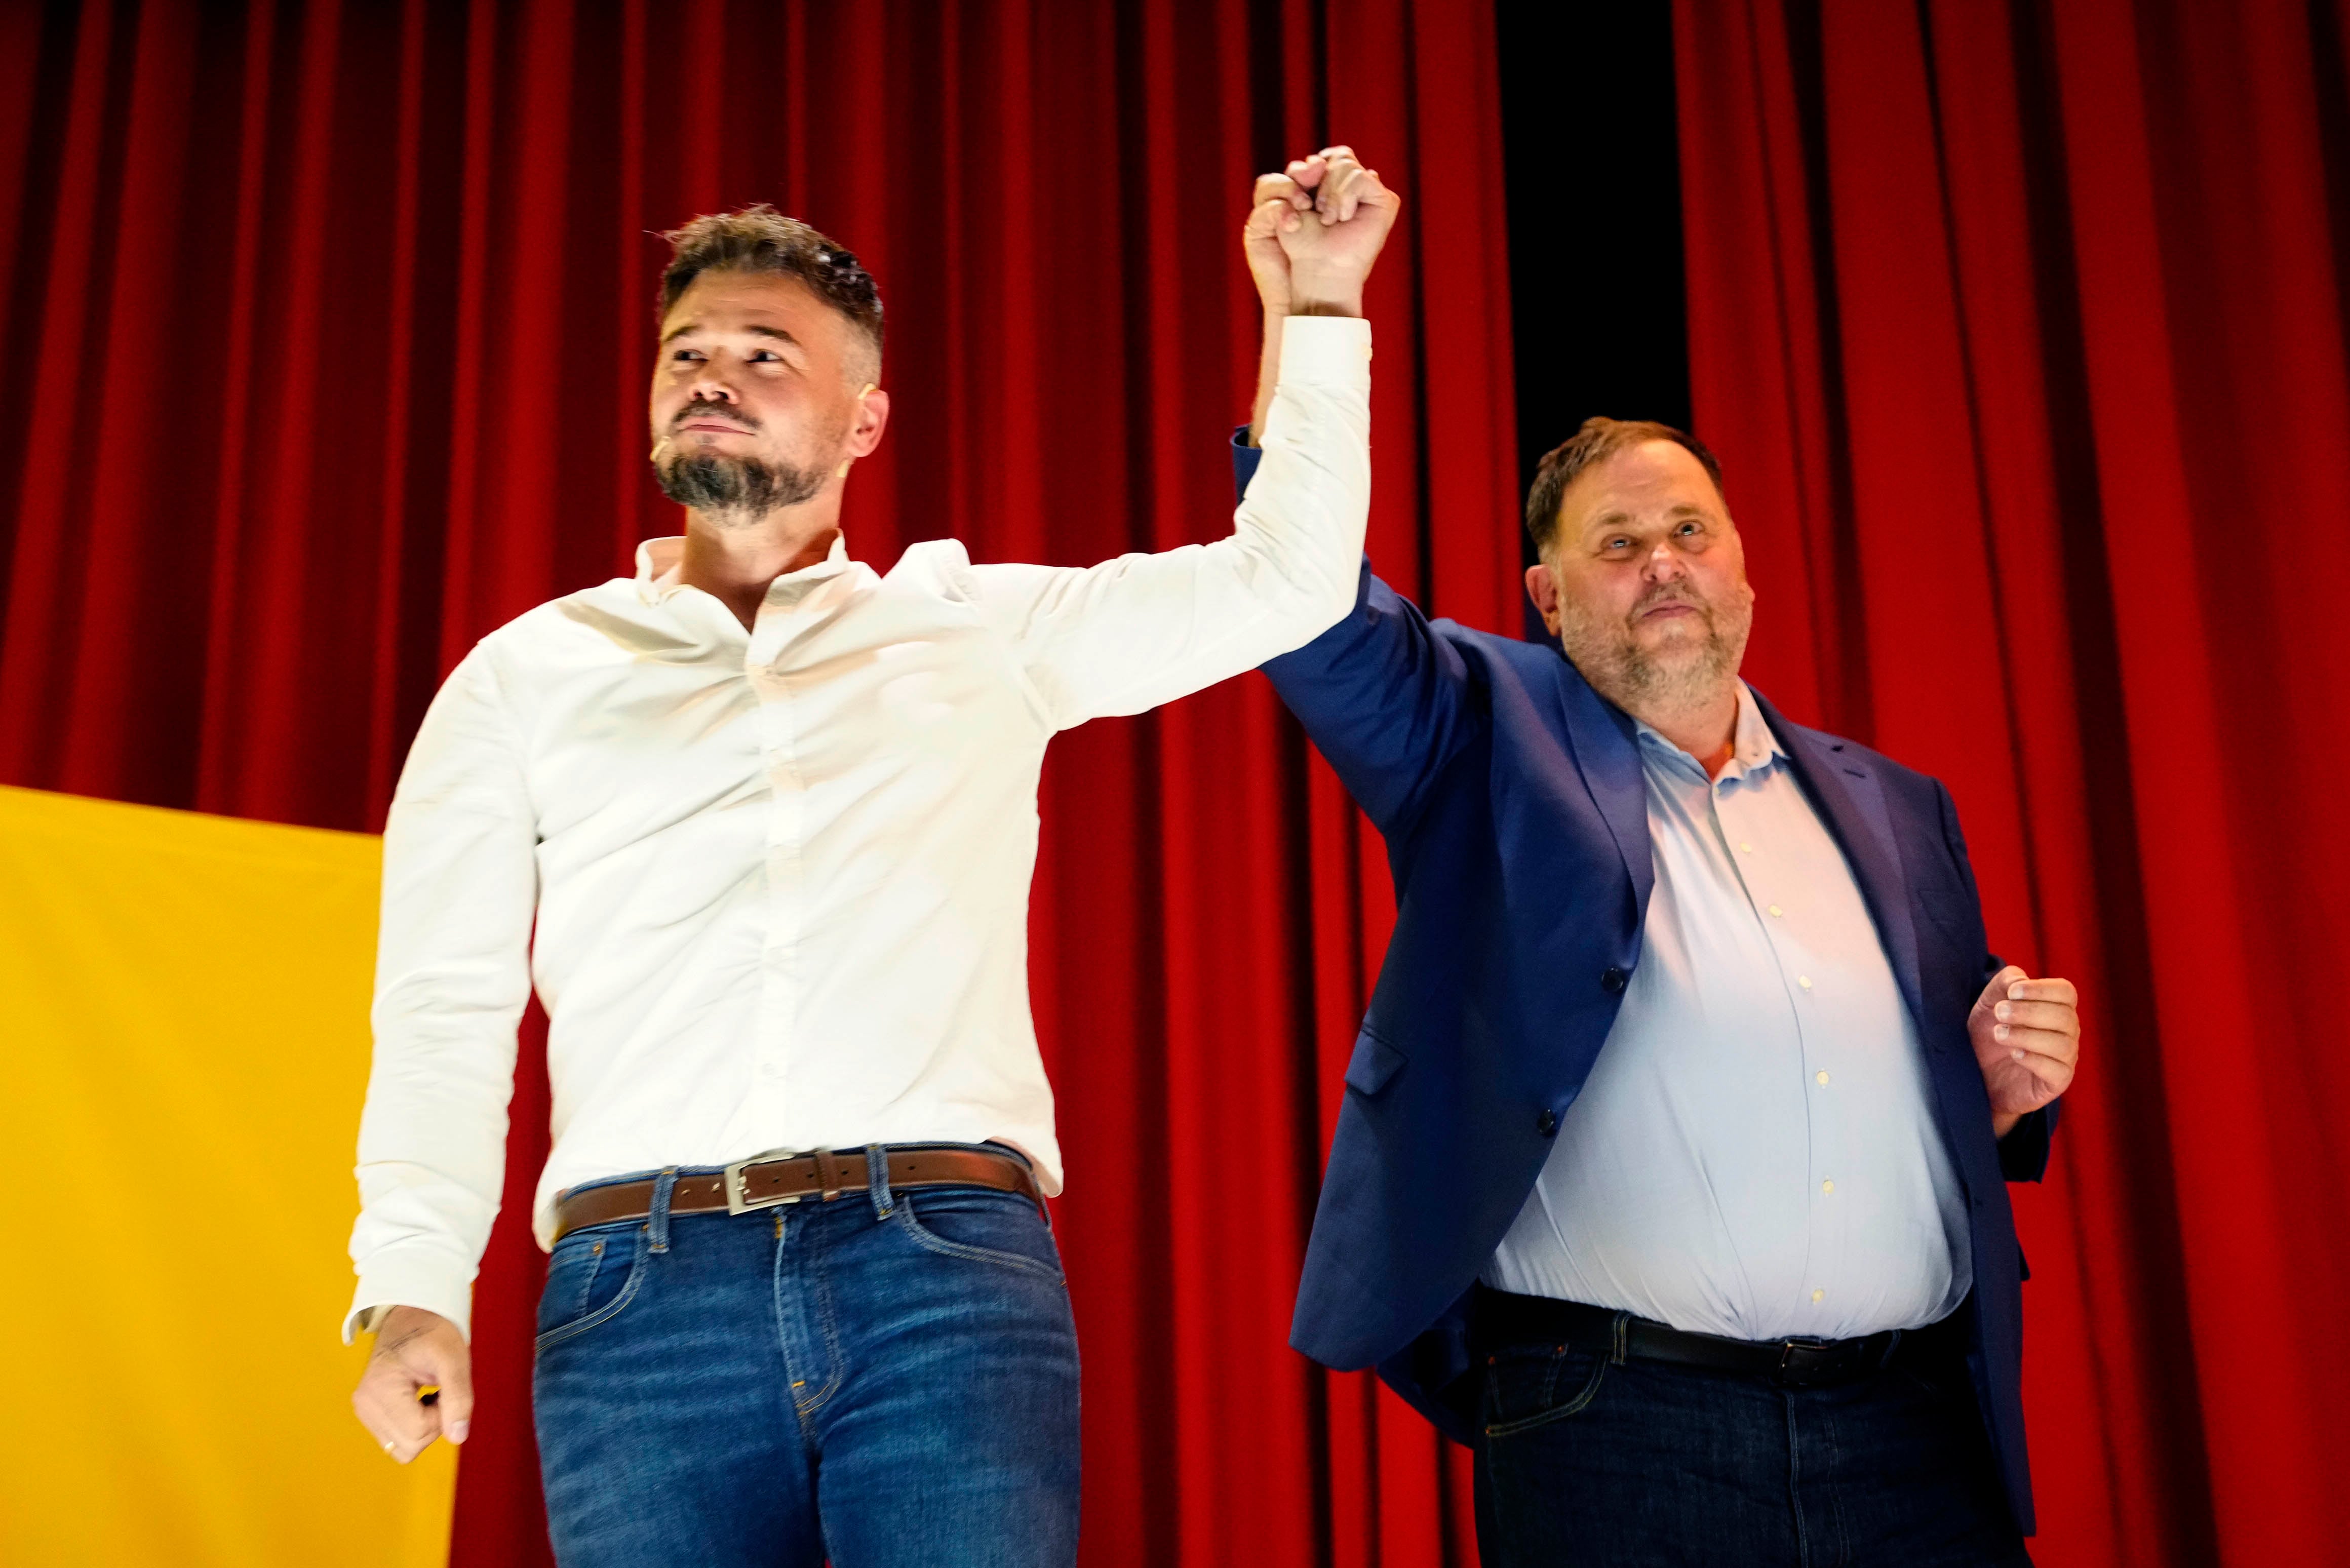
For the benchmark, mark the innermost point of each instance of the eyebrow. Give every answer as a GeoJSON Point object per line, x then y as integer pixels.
{"type": "Point", "coordinates": [682, 327]}
{"type": "Point", "coordinates": [1611, 520]}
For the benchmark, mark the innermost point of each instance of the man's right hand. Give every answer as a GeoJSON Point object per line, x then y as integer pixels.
{"type": "Point", "coordinates": [416, 1350]}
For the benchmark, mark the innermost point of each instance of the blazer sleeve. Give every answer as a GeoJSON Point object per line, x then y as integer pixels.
{"type": "Point", "coordinates": [2023, 1152]}
{"type": "Point", "coordinates": [1383, 694]}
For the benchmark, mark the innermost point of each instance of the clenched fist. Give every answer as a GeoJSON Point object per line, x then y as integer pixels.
{"type": "Point", "coordinates": [418, 1386]}
{"type": "Point", "coordinates": [1312, 232]}
{"type": "Point", "coordinates": [2027, 1040]}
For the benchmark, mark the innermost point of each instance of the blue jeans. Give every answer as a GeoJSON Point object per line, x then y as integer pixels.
{"type": "Point", "coordinates": [889, 1378]}
{"type": "Point", "coordinates": [1585, 1461]}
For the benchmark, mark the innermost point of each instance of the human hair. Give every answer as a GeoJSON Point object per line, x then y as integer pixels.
{"type": "Point", "coordinates": [1598, 439]}
{"type": "Point", "coordinates": [758, 238]}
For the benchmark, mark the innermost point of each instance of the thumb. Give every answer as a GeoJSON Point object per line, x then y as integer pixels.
{"type": "Point", "coordinates": [455, 1406]}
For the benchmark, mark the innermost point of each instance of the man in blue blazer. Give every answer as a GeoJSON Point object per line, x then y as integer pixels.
{"type": "Point", "coordinates": [1670, 1173]}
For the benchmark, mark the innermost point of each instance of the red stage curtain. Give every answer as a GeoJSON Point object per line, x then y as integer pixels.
{"type": "Point", "coordinates": [2019, 330]}
{"type": "Point", "coordinates": [330, 326]}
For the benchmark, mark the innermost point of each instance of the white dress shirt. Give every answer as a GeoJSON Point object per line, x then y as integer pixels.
{"type": "Point", "coordinates": [1754, 1154]}
{"type": "Point", "coordinates": [780, 877]}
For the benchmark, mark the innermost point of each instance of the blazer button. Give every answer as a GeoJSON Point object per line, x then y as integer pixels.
{"type": "Point", "coordinates": [1611, 979]}
{"type": "Point", "coordinates": [1546, 1124]}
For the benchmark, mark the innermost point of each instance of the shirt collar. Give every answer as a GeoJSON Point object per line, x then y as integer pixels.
{"type": "Point", "coordinates": [1753, 748]}
{"type": "Point", "coordinates": [662, 562]}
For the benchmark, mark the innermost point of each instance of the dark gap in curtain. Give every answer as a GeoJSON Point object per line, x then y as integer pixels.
{"type": "Point", "coordinates": [1846, 687]}
{"type": "Point", "coordinates": [2127, 988]}
{"type": "Point", "coordinates": [1600, 318]}
{"type": "Point", "coordinates": [20, 332]}
{"type": "Point", "coordinates": [2330, 69]}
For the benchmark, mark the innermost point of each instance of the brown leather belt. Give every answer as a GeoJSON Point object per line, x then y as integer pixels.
{"type": "Point", "coordinates": [766, 1180]}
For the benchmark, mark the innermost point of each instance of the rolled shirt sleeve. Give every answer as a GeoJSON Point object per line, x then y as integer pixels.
{"type": "Point", "coordinates": [452, 976]}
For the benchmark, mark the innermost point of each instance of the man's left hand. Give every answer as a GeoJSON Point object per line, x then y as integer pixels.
{"type": "Point", "coordinates": [2027, 1039]}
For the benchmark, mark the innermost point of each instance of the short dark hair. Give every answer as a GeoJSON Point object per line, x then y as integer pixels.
{"type": "Point", "coordinates": [758, 238]}
{"type": "Point", "coordinates": [1598, 439]}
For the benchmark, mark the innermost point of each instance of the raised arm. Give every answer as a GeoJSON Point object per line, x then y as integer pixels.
{"type": "Point", "coordinates": [460, 886]}
{"type": "Point", "coordinates": [1142, 629]}
{"type": "Point", "coordinates": [1385, 698]}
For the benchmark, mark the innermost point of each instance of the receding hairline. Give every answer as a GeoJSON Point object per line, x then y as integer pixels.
{"type": "Point", "coordinates": [1595, 444]}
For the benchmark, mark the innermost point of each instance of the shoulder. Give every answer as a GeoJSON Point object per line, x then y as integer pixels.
{"type": "Point", "coordinates": [1904, 784]}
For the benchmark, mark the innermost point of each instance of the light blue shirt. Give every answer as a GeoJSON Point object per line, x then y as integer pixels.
{"type": "Point", "coordinates": [1752, 1154]}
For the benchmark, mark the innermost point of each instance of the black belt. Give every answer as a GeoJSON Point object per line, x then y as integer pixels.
{"type": "Point", "coordinates": [1501, 1318]}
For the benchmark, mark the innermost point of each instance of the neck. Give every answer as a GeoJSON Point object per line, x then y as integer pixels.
{"type": "Point", "coordinates": [1705, 725]}
{"type": "Point", "coordinates": [735, 560]}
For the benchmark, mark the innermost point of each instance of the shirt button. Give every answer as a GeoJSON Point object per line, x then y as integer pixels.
{"type": "Point", "coordinates": [1827, 1187]}
{"type": "Point", "coordinates": [1546, 1124]}
{"type": "Point", "coordinates": [1746, 849]}
{"type": "Point", "coordinates": [1817, 1295]}
{"type": "Point", "coordinates": [1804, 980]}
{"type": "Point", "coordinates": [1776, 911]}
{"type": "Point", "coordinates": [1611, 979]}
{"type": "Point", "coordinates": [1822, 1077]}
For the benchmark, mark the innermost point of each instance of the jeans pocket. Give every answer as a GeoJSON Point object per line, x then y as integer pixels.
{"type": "Point", "coordinates": [592, 1276]}
{"type": "Point", "coordinates": [1525, 1388]}
{"type": "Point", "coordinates": [982, 1225]}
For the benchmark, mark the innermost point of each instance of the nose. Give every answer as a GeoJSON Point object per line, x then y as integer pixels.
{"type": "Point", "coordinates": [709, 389]}
{"type": "Point", "coordinates": [1664, 564]}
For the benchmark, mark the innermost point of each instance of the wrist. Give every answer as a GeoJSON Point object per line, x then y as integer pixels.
{"type": "Point", "coordinates": [1327, 305]}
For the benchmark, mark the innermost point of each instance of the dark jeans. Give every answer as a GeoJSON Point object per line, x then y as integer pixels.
{"type": "Point", "coordinates": [1584, 1461]}
{"type": "Point", "coordinates": [889, 1378]}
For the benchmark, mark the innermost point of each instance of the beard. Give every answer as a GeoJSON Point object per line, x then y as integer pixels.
{"type": "Point", "coordinates": [728, 489]}
{"type": "Point", "coordinates": [1685, 671]}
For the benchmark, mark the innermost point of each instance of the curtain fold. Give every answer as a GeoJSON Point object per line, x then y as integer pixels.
{"type": "Point", "coordinates": [334, 322]}
{"type": "Point", "coordinates": [2019, 330]}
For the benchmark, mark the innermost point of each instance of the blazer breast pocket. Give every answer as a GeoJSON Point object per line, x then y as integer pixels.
{"type": "Point", "coordinates": [1375, 1062]}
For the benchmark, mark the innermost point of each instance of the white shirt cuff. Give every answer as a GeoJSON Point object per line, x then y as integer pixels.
{"type": "Point", "coordinates": [388, 1280]}
{"type": "Point", "coordinates": [1325, 351]}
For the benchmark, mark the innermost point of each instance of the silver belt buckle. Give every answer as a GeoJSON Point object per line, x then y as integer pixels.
{"type": "Point", "coordinates": [737, 1202]}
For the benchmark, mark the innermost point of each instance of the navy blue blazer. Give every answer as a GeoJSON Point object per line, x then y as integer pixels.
{"type": "Point", "coordinates": [1511, 797]}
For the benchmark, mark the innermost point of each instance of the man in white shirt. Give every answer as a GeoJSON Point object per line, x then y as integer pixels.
{"type": "Point", "coordinates": [772, 818]}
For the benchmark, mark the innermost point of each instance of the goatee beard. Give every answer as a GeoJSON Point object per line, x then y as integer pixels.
{"type": "Point", "coordinates": [1640, 681]}
{"type": "Point", "coordinates": [735, 488]}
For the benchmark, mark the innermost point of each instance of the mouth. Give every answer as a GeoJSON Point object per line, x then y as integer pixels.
{"type": "Point", "coordinates": [1670, 607]}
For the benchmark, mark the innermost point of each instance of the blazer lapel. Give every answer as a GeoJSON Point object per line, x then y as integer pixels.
{"type": "Point", "coordinates": [1607, 749]}
{"type": "Point", "coordinates": [1846, 794]}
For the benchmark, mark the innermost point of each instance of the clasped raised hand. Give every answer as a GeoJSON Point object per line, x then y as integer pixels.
{"type": "Point", "coordinates": [1312, 232]}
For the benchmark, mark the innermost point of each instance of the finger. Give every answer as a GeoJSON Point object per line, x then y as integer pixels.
{"type": "Point", "coordinates": [1368, 190]}
{"type": "Point", "coordinates": [456, 1406]}
{"type": "Point", "coordinates": [1361, 183]}
{"type": "Point", "coordinates": [2020, 1044]}
{"type": "Point", "coordinates": [1279, 188]}
{"type": "Point", "coordinates": [1340, 171]}
{"type": "Point", "coordinates": [2051, 1078]}
{"type": "Point", "coordinates": [2049, 990]}
{"type": "Point", "coordinates": [401, 1427]}
{"type": "Point", "coordinates": [2000, 983]}
{"type": "Point", "coordinates": [2057, 1015]}
{"type": "Point", "coordinates": [1307, 171]}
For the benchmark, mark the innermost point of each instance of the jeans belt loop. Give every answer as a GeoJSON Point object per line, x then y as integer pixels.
{"type": "Point", "coordinates": [1623, 1338]}
{"type": "Point", "coordinates": [876, 1179]}
{"type": "Point", "coordinates": [658, 1220]}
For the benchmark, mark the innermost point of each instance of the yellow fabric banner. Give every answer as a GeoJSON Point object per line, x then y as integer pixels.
{"type": "Point", "coordinates": [183, 1049]}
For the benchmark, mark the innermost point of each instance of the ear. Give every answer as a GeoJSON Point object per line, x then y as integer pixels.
{"type": "Point", "coordinates": [1542, 586]}
{"type": "Point", "coordinates": [872, 418]}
